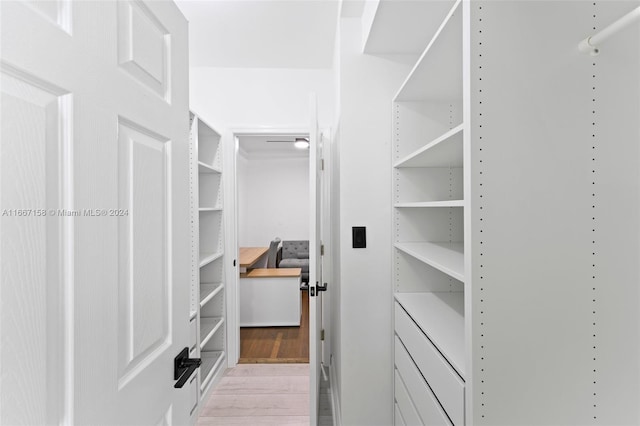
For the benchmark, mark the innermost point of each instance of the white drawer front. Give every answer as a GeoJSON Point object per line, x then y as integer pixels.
{"type": "Point", "coordinates": [397, 417]}
{"type": "Point", "coordinates": [193, 393]}
{"type": "Point", "coordinates": [193, 334]}
{"type": "Point", "coordinates": [445, 382]}
{"type": "Point", "coordinates": [426, 404]}
{"type": "Point", "coordinates": [407, 409]}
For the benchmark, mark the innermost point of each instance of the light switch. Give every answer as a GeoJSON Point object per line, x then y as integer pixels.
{"type": "Point", "coordinates": [359, 234]}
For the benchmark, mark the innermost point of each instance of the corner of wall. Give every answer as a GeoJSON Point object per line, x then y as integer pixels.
{"type": "Point", "coordinates": [367, 86]}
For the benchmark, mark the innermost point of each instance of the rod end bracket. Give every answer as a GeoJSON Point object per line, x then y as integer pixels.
{"type": "Point", "coordinates": [585, 46]}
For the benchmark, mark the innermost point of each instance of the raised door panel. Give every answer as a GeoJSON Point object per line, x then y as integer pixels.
{"type": "Point", "coordinates": [144, 238]}
{"type": "Point", "coordinates": [34, 141]}
{"type": "Point", "coordinates": [143, 47]}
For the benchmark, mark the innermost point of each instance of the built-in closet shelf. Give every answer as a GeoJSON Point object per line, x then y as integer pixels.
{"type": "Point", "coordinates": [438, 74]}
{"type": "Point", "coordinates": [404, 27]}
{"type": "Point", "coordinates": [208, 327]}
{"type": "Point", "coordinates": [446, 257]}
{"type": "Point", "coordinates": [211, 361]}
{"type": "Point", "coordinates": [208, 247]}
{"type": "Point", "coordinates": [207, 168]}
{"type": "Point", "coordinates": [440, 316]}
{"type": "Point", "coordinates": [444, 151]}
{"type": "Point", "coordinates": [206, 258]}
{"type": "Point", "coordinates": [448, 203]}
{"type": "Point", "coordinates": [208, 291]}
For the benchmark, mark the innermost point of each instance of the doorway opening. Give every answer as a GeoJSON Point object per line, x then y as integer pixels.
{"type": "Point", "coordinates": [272, 222]}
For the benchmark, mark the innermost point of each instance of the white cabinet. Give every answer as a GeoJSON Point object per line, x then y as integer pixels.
{"type": "Point", "coordinates": [515, 163]}
{"type": "Point", "coordinates": [208, 283]}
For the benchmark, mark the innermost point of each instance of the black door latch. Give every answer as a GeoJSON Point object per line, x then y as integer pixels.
{"type": "Point", "coordinates": [317, 289]}
{"type": "Point", "coordinates": [183, 367]}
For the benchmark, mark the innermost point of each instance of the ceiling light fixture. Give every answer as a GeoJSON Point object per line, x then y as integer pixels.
{"type": "Point", "coordinates": [301, 143]}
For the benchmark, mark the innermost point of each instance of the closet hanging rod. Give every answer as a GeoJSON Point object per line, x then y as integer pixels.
{"type": "Point", "coordinates": [590, 44]}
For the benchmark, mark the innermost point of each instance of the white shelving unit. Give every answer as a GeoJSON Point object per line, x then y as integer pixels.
{"type": "Point", "coordinates": [208, 288]}
{"type": "Point", "coordinates": [514, 257]}
{"type": "Point", "coordinates": [429, 208]}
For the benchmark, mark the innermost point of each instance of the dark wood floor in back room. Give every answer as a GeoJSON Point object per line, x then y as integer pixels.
{"type": "Point", "coordinates": [277, 344]}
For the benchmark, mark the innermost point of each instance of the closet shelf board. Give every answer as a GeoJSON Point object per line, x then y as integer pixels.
{"type": "Point", "coordinates": [206, 258]}
{"type": "Point", "coordinates": [446, 257]}
{"type": "Point", "coordinates": [437, 76]}
{"type": "Point", "coordinates": [208, 291]}
{"type": "Point", "coordinates": [447, 203]}
{"type": "Point", "coordinates": [208, 327]}
{"type": "Point", "coordinates": [418, 20]}
{"type": "Point", "coordinates": [444, 151]}
{"type": "Point", "coordinates": [207, 168]}
{"type": "Point", "coordinates": [210, 362]}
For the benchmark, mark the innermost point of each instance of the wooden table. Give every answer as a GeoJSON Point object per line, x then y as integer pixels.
{"type": "Point", "coordinates": [250, 255]}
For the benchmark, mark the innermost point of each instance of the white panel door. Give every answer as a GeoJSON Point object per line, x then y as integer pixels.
{"type": "Point", "coordinates": [94, 252]}
{"type": "Point", "coordinates": [315, 261]}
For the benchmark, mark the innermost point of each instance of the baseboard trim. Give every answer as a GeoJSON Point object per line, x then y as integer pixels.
{"type": "Point", "coordinates": [335, 400]}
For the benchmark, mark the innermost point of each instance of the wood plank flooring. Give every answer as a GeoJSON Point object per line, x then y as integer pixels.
{"type": "Point", "coordinates": [264, 394]}
{"type": "Point", "coordinates": [277, 344]}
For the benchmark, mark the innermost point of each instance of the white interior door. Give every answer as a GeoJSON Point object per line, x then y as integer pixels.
{"type": "Point", "coordinates": [315, 261]}
{"type": "Point", "coordinates": [94, 201]}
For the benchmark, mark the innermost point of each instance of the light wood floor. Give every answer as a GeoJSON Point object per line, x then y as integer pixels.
{"type": "Point", "coordinates": [264, 394]}
{"type": "Point", "coordinates": [277, 344]}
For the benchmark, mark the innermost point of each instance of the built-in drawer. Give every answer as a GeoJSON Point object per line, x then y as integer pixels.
{"type": "Point", "coordinates": [407, 410]}
{"type": "Point", "coordinates": [397, 416]}
{"type": "Point", "coordinates": [193, 383]}
{"type": "Point", "coordinates": [442, 379]}
{"type": "Point", "coordinates": [423, 399]}
{"type": "Point", "coordinates": [193, 394]}
{"type": "Point", "coordinates": [193, 334]}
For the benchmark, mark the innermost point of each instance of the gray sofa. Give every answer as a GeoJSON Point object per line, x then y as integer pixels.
{"type": "Point", "coordinates": [295, 254]}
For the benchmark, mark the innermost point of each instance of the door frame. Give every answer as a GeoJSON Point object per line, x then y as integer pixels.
{"type": "Point", "coordinates": [232, 270]}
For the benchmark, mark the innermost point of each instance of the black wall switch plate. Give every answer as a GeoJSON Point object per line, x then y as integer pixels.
{"type": "Point", "coordinates": [359, 234]}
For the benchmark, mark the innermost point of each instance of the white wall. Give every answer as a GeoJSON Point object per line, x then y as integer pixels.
{"type": "Point", "coordinates": [257, 97]}
{"type": "Point", "coordinates": [367, 86]}
{"type": "Point", "coordinates": [273, 198]}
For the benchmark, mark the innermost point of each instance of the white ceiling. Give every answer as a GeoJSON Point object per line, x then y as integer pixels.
{"type": "Point", "coordinates": [261, 33]}
{"type": "Point", "coordinates": [257, 146]}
